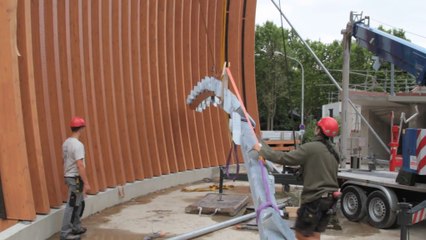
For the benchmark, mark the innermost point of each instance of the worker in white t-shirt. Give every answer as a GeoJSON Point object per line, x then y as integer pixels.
{"type": "Point", "coordinates": [76, 180]}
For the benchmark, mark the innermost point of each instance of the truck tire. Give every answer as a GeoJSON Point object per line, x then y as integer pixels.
{"type": "Point", "coordinates": [379, 211]}
{"type": "Point", "coordinates": [353, 202]}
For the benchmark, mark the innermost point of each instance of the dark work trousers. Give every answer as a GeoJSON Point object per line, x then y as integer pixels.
{"type": "Point", "coordinates": [73, 208]}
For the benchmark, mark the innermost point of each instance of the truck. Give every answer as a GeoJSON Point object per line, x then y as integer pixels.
{"type": "Point", "coordinates": [379, 194]}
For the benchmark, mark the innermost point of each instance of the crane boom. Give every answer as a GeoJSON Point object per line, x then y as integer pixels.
{"type": "Point", "coordinates": [404, 54]}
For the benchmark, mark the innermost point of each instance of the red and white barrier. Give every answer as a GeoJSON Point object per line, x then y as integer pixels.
{"type": "Point", "coordinates": [421, 151]}
{"type": "Point", "coordinates": [418, 216]}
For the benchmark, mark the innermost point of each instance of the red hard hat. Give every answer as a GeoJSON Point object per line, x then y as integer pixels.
{"type": "Point", "coordinates": [77, 122]}
{"type": "Point", "coordinates": [329, 126]}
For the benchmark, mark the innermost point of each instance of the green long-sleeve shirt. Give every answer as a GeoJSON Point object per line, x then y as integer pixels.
{"type": "Point", "coordinates": [318, 164]}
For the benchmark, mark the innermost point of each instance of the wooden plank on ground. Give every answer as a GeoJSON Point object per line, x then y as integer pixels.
{"type": "Point", "coordinates": [282, 145]}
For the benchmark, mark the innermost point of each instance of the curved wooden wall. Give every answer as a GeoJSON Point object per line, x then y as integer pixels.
{"type": "Point", "coordinates": [126, 66]}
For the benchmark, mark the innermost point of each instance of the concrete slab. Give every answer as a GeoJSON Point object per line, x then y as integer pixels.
{"type": "Point", "coordinates": [46, 225]}
{"type": "Point", "coordinates": [162, 212]}
{"type": "Point", "coordinates": [214, 203]}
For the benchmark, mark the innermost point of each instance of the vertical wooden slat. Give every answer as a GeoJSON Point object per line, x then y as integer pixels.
{"type": "Point", "coordinates": [40, 77]}
{"type": "Point", "coordinates": [170, 53]}
{"type": "Point", "coordinates": [235, 45]}
{"type": "Point", "coordinates": [137, 105]}
{"type": "Point", "coordinates": [141, 111]}
{"type": "Point", "coordinates": [80, 89]}
{"type": "Point", "coordinates": [96, 162]}
{"type": "Point", "coordinates": [62, 102]}
{"type": "Point", "coordinates": [98, 43]}
{"type": "Point", "coordinates": [70, 70]}
{"type": "Point", "coordinates": [234, 41]}
{"type": "Point", "coordinates": [64, 67]}
{"type": "Point", "coordinates": [214, 69]}
{"type": "Point", "coordinates": [66, 71]}
{"type": "Point", "coordinates": [249, 63]}
{"type": "Point", "coordinates": [51, 85]}
{"type": "Point", "coordinates": [220, 60]}
{"type": "Point", "coordinates": [14, 169]}
{"type": "Point", "coordinates": [188, 85]}
{"type": "Point", "coordinates": [117, 27]}
{"type": "Point", "coordinates": [57, 70]}
{"type": "Point", "coordinates": [154, 144]}
{"type": "Point", "coordinates": [182, 109]}
{"type": "Point", "coordinates": [110, 90]}
{"type": "Point", "coordinates": [204, 71]}
{"type": "Point", "coordinates": [128, 82]}
{"type": "Point", "coordinates": [155, 90]}
{"type": "Point", "coordinates": [29, 108]}
{"type": "Point", "coordinates": [164, 89]}
{"type": "Point", "coordinates": [200, 119]}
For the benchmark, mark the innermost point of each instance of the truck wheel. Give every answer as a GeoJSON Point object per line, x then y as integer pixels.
{"type": "Point", "coordinates": [380, 214]}
{"type": "Point", "coordinates": [353, 203]}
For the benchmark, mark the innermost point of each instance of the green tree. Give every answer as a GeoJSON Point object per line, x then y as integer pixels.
{"type": "Point", "coordinates": [279, 89]}
{"type": "Point", "coordinates": [269, 73]}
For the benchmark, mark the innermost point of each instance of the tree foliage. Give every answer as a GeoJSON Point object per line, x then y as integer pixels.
{"type": "Point", "coordinates": [279, 88]}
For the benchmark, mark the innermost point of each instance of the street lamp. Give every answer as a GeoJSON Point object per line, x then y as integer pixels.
{"type": "Point", "coordinates": [302, 126]}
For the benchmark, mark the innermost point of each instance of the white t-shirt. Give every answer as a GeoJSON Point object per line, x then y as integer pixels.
{"type": "Point", "coordinates": [72, 150]}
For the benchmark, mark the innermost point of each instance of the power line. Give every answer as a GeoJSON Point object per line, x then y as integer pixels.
{"type": "Point", "coordinates": [418, 35]}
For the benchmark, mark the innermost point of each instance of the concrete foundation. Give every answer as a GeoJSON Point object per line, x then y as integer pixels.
{"type": "Point", "coordinates": [213, 203]}
{"type": "Point", "coordinates": [46, 225]}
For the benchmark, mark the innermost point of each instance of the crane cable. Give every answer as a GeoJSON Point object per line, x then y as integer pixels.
{"type": "Point", "coordinates": [209, 44]}
{"type": "Point", "coordinates": [289, 78]}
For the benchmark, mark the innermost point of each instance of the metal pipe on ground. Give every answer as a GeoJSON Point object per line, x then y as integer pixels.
{"type": "Point", "coordinates": [230, 222]}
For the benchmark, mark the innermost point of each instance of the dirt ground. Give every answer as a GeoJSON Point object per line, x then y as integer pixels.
{"type": "Point", "coordinates": [163, 213]}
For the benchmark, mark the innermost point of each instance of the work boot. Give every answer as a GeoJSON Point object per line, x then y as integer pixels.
{"type": "Point", "coordinates": [82, 230]}
{"type": "Point", "coordinates": [71, 237]}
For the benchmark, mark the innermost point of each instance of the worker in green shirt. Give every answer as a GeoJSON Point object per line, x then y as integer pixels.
{"type": "Point", "coordinates": [319, 163]}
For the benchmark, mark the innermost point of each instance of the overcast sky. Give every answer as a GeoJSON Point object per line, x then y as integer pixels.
{"type": "Point", "coordinates": [324, 19]}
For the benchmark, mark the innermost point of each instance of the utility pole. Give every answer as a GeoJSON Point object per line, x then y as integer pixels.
{"type": "Point", "coordinates": [344, 130]}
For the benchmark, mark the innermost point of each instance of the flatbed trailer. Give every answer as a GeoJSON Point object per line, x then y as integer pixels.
{"type": "Point", "coordinates": [376, 195]}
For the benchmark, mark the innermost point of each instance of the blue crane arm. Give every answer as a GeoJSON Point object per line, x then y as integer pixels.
{"type": "Point", "coordinates": [404, 54]}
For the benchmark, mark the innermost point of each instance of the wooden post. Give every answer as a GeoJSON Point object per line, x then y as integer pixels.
{"type": "Point", "coordinates": [29, 108]}
{"type": "Point", "coordinates": [14, 167]}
